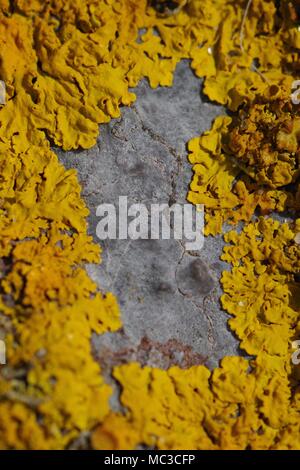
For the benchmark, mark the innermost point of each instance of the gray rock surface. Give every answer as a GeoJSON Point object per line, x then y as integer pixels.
{"type": "Point", "coordinates": [169, 297]}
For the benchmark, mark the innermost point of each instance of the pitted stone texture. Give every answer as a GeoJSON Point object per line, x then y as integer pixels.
{"type": "Point", "coordinates": [169, 298]}
{"type": "Point", "coordinates": [194, 278]}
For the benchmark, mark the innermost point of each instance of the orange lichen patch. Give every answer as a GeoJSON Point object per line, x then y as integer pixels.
{"type": "Point", "coordinates": [249, 161]}
{"type": "Point", "coordinates": [33, 186]}
{"type": "Point", "coordinates": [68, 66]}
{"type": "Point", "coordinates": [264, 139]}
{"type": "Point", "coordinates": [290, 11]}
{"type": "Point", "coordinates": [214, 176]}
{"type": "Point", "coordinates": [247, 53]}
{"type": "Point", "coordinates": [225, 189]}
{"type": "Point", "coordinates": [243, 403]}
{"type": "Point", "coordinates": [53, 340]}
{"type": "Point", "coordinates": [260, 287]}
{"type": "Point", "coordinates": [66, 97]}
{"type": "Point", "coordinates": [170, 419]}
{"type": "Point", "coordinates": [19, 429]}
{"type": "Point", "coordinates": [267, 242]}
{"type": "Point", "coordinates": [240, 405]}
{"type": "Point", "coordinates": [53, 305]}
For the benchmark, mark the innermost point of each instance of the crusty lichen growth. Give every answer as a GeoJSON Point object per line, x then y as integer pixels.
{"type": "Point", "coordinates": [53, 305]}
{"type": "Point", "coordinates": [248, 162]}
{"type": "Point", "coordinates": [264, 137]}
{"type": "Point", "coordinates": [259, 290]}
{"type": "Point", "coordinates": [68, 66]}
{"type": "Point", "coordinates": [289, 14]}
{"type": "Point", "coordinates": [243, 403]}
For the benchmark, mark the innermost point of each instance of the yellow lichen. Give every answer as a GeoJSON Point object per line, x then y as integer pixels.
{"type": "Point", "coordinates": [260, 287]}
{"type": "Point", "coordinates": [244, 403]}
{"type": "Point", "coordinates": [264, 139]}
{"type": "Point", "coordinates": [247, 162]}
{"type": "Point", "coordinates": [53, 305]}
{"type": "Point", "coordinates": [68, 66]}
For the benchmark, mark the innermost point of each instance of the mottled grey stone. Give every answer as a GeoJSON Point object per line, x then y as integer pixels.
{"type": "Point", "coordinates": [194, 278]}
{"type": "Point", "coordinates": [169, 298]}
